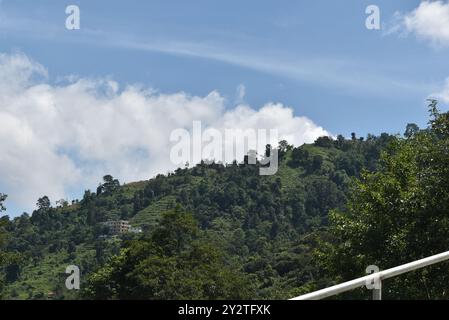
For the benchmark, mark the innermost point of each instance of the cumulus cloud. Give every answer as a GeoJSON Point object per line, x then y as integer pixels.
{"type": "Point", "coordinates": [61, 138]}
{"type": "Point", "coordinates": [429, 21]}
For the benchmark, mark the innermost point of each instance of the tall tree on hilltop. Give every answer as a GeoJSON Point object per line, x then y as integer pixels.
{"type": "Point", "coordinates": [2, 200]}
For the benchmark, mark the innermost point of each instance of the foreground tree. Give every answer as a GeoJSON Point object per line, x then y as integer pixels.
{"type": "Point", "coordinates": [174, 263]}
{"type": "Point", "coordinates": [399, 214]}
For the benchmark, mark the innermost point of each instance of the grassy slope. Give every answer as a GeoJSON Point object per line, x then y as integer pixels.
{"type": "Point", "coordinates": [151, 214]}
{"type": "Point", "coordinates": [43, 277]}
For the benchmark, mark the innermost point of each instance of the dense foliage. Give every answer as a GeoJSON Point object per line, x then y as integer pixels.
{"type": "Point", "coordinates": [208, 230]}
{"type": "Point", "coordinates": [223, 231]}
{"type": "Point", "coordinates": [398, 214]}
{"type": "Point", "coordinates": [175, 262]}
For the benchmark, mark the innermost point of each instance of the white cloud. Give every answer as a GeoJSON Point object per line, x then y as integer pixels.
{"type": "Point", "coordinates": [429, 21]}
{"type": "Point", "coordinates": [64, 137]}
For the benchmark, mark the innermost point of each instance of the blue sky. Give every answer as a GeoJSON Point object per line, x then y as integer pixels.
{"type": "Point", "coordinates": [316, 57]}
{"type": "Point", "coordinates": [293, 35]}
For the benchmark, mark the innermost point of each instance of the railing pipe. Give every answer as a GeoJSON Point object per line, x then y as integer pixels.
{"type": "Point", "coordinates": [380, 276]}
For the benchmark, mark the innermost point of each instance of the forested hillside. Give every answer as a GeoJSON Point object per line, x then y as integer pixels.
{"type": "Point", "coordinates": [223, 231]}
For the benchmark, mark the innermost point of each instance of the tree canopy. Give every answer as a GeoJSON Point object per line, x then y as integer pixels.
{"type": "Point", "coordinates": [398, 214]}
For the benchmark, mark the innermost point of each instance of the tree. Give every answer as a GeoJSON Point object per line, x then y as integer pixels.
{"type": "Point", "coordinates": [174, 263]}
{"type": "Point", "coordinates": [411, 130]}
{"type": "Point", "coordinates": [2, 200]}
{"type": "Point", "coordinates": [43, 203]}
{"type": "Point", "coordinates": [399, 214]}
{"type": "Point", "coordinates": [317, 162]}
{"type": "Point", "coordinates": [3, 256]}
{"type": "Point", "coordinates": [340, 141]}
{"type": "Point", "coordinates": [62, 203]}
{"type": "Point", "coordinates": [283, 148]}
{"type": "Point", "coordinates": [7, 259]}
{"type": "Point", "coordinates": [325, 142]}
{"type": "Point", "coordinates": [109, 185]}
{"type": "Point", "coordinates": [268, 150]}
{"type": "Point", "coordinates": [300, 157]}
{"type": "Point", "coordinates": [176, 230]}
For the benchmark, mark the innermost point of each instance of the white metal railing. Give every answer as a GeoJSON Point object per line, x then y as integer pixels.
{"type": "Point", "coordinates": [374, 278]}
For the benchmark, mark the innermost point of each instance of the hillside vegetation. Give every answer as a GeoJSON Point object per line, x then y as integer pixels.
{"type": "Point", "coordinates": [223, 231]}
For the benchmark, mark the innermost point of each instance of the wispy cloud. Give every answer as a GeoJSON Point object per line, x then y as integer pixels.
{"type": "Point", "coordinates": [336, 73]}
{"type": "Point", "coordinates": [347, 75]}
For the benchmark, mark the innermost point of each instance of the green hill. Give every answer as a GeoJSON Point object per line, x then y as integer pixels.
{"type": "Point", "coordinates": [264, 228]}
